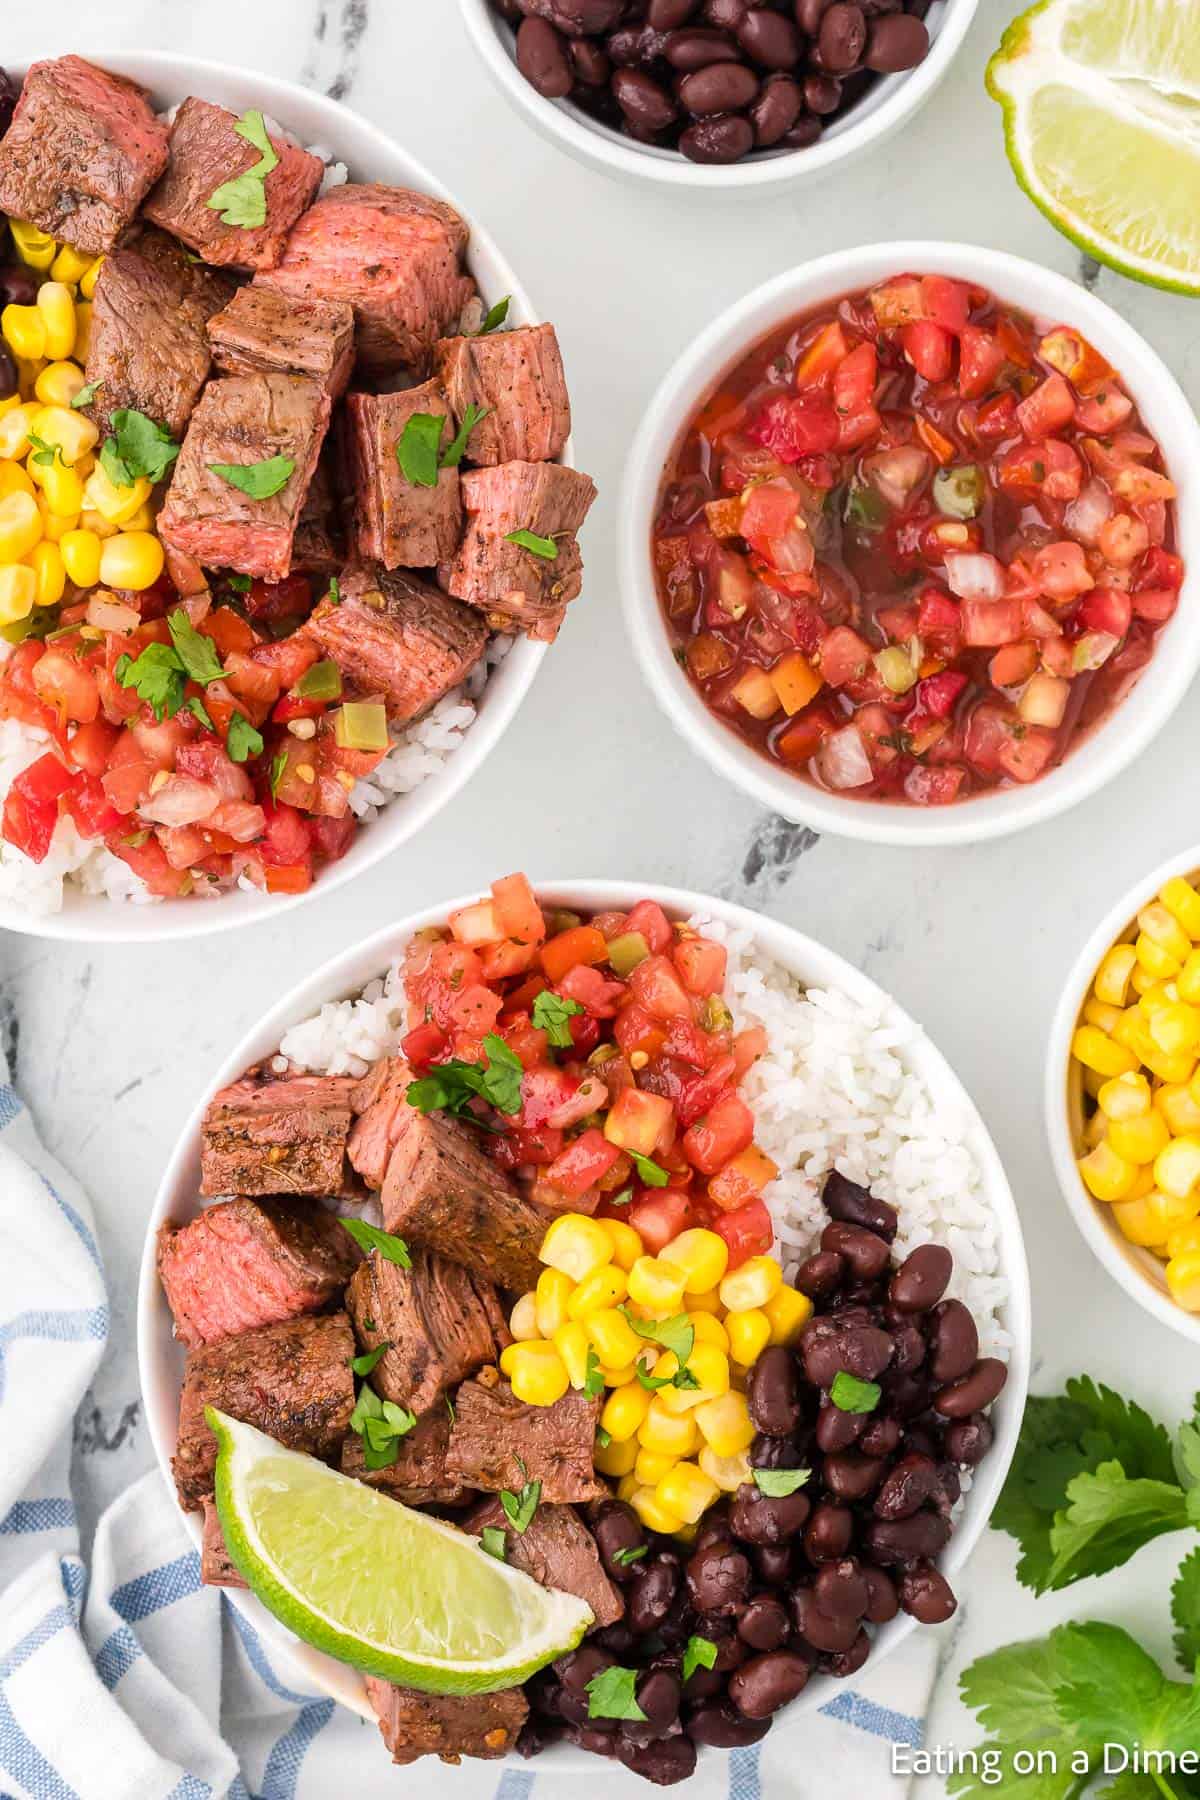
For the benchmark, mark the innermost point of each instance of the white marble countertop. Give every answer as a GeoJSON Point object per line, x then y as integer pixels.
{"type": "Point", "coordinates": [111, 1049]}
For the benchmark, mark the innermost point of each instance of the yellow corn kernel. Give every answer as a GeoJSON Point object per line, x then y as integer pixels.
{"type": "Point", "coordinates": [749, 1335]}
{"type": "Point", "coordinates": [9, 405]}
{"type": "Point", "coordinates": [20, 526]}
{"type": "Point", "coordinates": [788, 1312]}
{"type": "Point", "coordinates": [751, 1286]}
{"type": "Point", "coordinates": [80, 552]}
{"type": "Point", "coordinates": [1179, 1107]}
{"type": "Point", "coordinates": [653, 1514]}
{"type": "Point", "coordinates": [1150, 1219]}
{"type": "Point", "coordinates": [116, 504]}
{"type": "Point", "coordinates": [1137, 1220]}
{"type": "Point", "coordinates": [56, 303]}
{"type": "Point", "coordinates": [64, 496]}
{"type": "Point", "coordinates": [1103, 1054]}
{"type": "Point", "coordinates": [70, 265]}
{"type": "Point", "coordinates": [1143, 1182]}
{"type": "Point", "coordinates": [603, 1287]}
{"type": "Point", "coordinates": [725, 1423]}
{"type": "Point", "coordinates": [628, 1486]}
{"type": "Point", "coordinates": [1188, 979]}
{"type": "Point", "coordinates": [509, 1352]}
{"type": "Point", "coordinates": [1158, 923]}
{"type": "Point", "coordinates": [669, 1433]}
{"type": "Point", "coordinates": [687, 1492]}
{"type": "Point", "coordinates": [1173, 1069]}
{"type": "Point", "coordinates": [709, 1367]}
{"type": "Point", "coordinates": [615, 1459]}
{"type": "Point", "coordinates": [132, 560]}
{"type": "Point", "coordinates": [617, 1343]}
{"type": "Point", "coordinates": [1163, 993]}
{"type": "Point", "coordinates": [73, 433]}
{"type": "Point", "coordinates": [709, 1302]}
{"type": "Point", "coordinates": [1184, 1238]}
{"type": "Point", "coordinates": [1103, 1017]}
{"type": "Point", "coordinates": [626, 1244]}
{"type": "Point", "coordinates": [1175, 1028]}
{"type": "Point", "coordinates": [83, 329]}
{"type": "Point", "coordinates": [571, 1342]}
{"type": "Point", "coordinates": [46, 561]}
{"type": "Point", "coordinates": [1183, 903]}
{"type": "Point", "coordinates": [574, 1244]}
{"type": "Point", "coordinates": [657, 1285]}
{"type": "Point", "coordinates": [87, 281]}
{"type": "Point", "coordinates": [624, 1412]}
{"type": "Point", "coordinates": [14, 431]}
{"type": "Point", "coordinates": [615, 1378]}
{"type": "Point", "coordinates": [1177, 1167]}
{"type": "Point", "coordinates": [54, 527]}
{"type": "Point", "coordinates": [34, 246]}
{"type": "Point", "coordinates": [1126, 1096]}
{"type": "Point", "coordinates": [1112, 977]}
{"type": "Point", "coordinates": [1183, 1280]}
{"type": "Point", "coordinates": [1107, 1176]}
{"type": "Point", "coordinates": [538, 1374]}
{"type": "Point", "coordinates": [24, 331]}
{"type": "Point", "coordinates": [1141, 979]}
{"type": "Point", "coordinates": [702, 1255]}
{"type": "Point", "coordinates": [651, 1466]}
{"type": "Point", "coordinates": [18, 591]}
{"type": "Point", "coordinates": [522, 1321]}
{"type": "Point", "coordinates": [1155, 958]}
{"type": "Point", "coordinates": [553, 1289]}
{"type": "Point", "coordinates": [1139, 1140]}
{"type": "Point", "coordinates": [1095, 1130]}
{"type": "Point", "coordinates": [729, 1472]}
{"type": "Point", "coordinates": [58, 383]}
{"type": "Point", "coordinates": [15, 479]}
{"type": "Point", "coordinates": [708, 1329]}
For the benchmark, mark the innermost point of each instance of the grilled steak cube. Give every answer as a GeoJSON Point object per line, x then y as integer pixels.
{"type": "Point", "coordinates": [318, 547]}
{"type": "Point", "coordinates": [217, 1567]}
{"type": "Point", "coordinates": [205, 153]}
{"type": "Point", "coordinates": [398, 638]}
{"type": "Point", "coordinates": [517, 377]}
{"type": "Point", "coordinates": [440, 1324]}
{"type": "Point", "coordinates": [446, 1725]}
{"type": "Point", "coordinates": [83, 150]}
{"type": "Point", "coordinates": [147, 349]}
{"type": "Point", "coordinates": [556, 1549]}
{"type": "Point", "coordinates": [379, 1106]}
{"type": "Point", "coordinates": [394, 255]}
{"type": "Point", "coordinates": [292, 1380]}
{"type": "Point", "coordinates": [245, 1263]}
{"type": "Point", "coordinates": [245, 419]}
{"type": "Point", "coordinates": [418, 1476]}
{"type": "Point", "coordinates": [513, 586]}
{"type": "Point", "coordinates": [398, 522]}
{"type": "Point", "coordinates": [443, 1191]}
{"type": "Point", "coordinates": [277, 1137]}
{"type": "Point", "coordinates": [497, 1441]}
{"type": "Point", "coordinates": [264, 330]}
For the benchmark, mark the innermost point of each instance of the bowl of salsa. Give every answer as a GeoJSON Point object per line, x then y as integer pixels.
{"type": "Point", "coordinates": [907, 550]}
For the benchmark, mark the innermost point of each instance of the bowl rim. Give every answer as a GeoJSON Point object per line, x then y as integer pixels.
{"type": "Point", "coordinates": [94, 918]}
{"type": "Point", "coordinates": [1110, 747]}
{"type": "Point", "coordinates": [343, 975]}
{"type": "Point", "coordinates": [583, 138]}
{"type": "Point", "coordinates": [1133, 1268]}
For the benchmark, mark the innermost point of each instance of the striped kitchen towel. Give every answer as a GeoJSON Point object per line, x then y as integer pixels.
{"type": "Point", "coordinates": [131, 1681]}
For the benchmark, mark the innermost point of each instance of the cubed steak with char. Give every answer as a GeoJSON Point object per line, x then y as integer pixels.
{"type": "Point", "coordinates": [516, 378]}
{"type": "Point", "coordinates": [514, 586]}
{"type": "Point", "coordinates": [398, 522]}
{"type": "Point", "coordinates": [392, 254]}
{"type": "Point", "coordinates": [319, 546]}
{"type": "Point", "coordinates": [439, 1323]}
{"type": "Point", "coordinates": [263, 330]}
{"type": "Point", "coordinates": [556, 1549]}
{"type": "Point", "coordinates": [292, 1380]}
{"type": "Point", "coordinates": [147, 349]}
{"type": "Point", "coordinates": [206, 152]}
{"type": "Point", "coordinates": [397, 638]}
{"type": "Point", "coordinates": [418, 1476]}
{"type": "Point", "coordinates": [82, 152]}
{"type": "Point", "coordinates": [277, 1137]}
{"type": "Point", "coordinates": [498, 1441]}
{"type": "Point", "coordinates": [245, 420]}
{"type": "Point", "coordinates": [217, 1567]}
{"type": "Point", "coordinates": [380, 1107]}
{"type": "Point", "coordinates": [447, 1725]}
{"type": "Point", "coordinates": [248, 1262]}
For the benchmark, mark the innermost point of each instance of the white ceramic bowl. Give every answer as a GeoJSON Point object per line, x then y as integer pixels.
{"type": "Point", "coordinates": [161, 1360]}
{"type": "Point", "coordinates": [371, 155]}
{"type": "Point", "coordinates": [1106, 750]}
{"type": "Point", "coordinates": [876, 116]}
{"type": "Point", "coordinates": [1138, 1271]}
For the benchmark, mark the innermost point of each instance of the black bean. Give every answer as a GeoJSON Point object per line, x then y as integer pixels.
{"type": "Point", "coordinates": [537, 1735]}
{"type": "Point", "coordinates": [910, 1349]}
{"type": "Point", "coordinates": [828, 1346]}
{"type": "Point", "coordinates": [907, 1486]}
{"type": "Point", "coordinates": [589, 62]}
{"type": "Point", "coordinates": [954, 1340]}
{"type": "Point", "coordinates": [771, 40]}
{"type": "Point", "coordinates": [841, 38]}
{"type": "Point", "coordinates": [973, 1391]}
{"type": "Point", "coordinates": [775, 112]}
{"type": "Point", "coordinates": [669, 15]}
{"type": "Point", "coordinates": [844, 1199]}
{"type": "Point", "coordinates": [808, 17]}
{"type": "Point", "coordinates": [852, 1476]}
{"type": "Point", "coordinates": [881, 1437]}
{"type": "Point", "coordinates": [899, 1542]}
{"type": "Point", "coordinates": [882, 1601]}
{"type": "Point", "coordinates": [697, 48]}
{"type": "Point", "coordinates": [703, 1684]}
{"type": "Point", "coordinates": [658, 1694]}
{"type": "Point", "coordinates": [727, 14]}
{"type": "Point", "coordinates": [718, 1578]}
{"type": "Point", "coordinates": [721, 88]}
{"type": "Point", "coordinates": [823, 1273]}
{"type": "Point", "coordinates": [774, 1563]}
{"type": "Point", "coordinates": [509, 9]}
{"type": "Point", "coordinates": [865, 1251]}
{"type": "Point", "coordinates": [724, 139]}
{"type": "Point", "coordinates": [724, 1729]}
{"type": "Point", "coordinates": [840, 1590]}
{"type": "Point", "coordinates": [643, 101]}
{"type": "Point", "coordinates": [905, 1396]}
{"type": "Point", "coordinates": [773, 1392]}
{"type": "Point", "coordinates": [664, 1763]}
{"type": "Point", "coordinates": [778, 1453]}
{"type": "Point", "coordinates": [763, 1623]}
{"type": "Point", "coordinates": [804, 133]}
{"type": "Point", "coordinates": [848, 1662]}
{"type": "Point", "coordinates": [578, 18]}
{"type": "Point", "coordinates": [895, 43]}
{"type": "Point", "coordinates": [837, 1430]}
{"type": "Point", "coordinates": [18, 285]}
{"type": "Point", "coordinates": [542, 59]}
{"type": "Point", "coordinates": [759, 1518]}
{"type": "Point", "coordinates": [600, 1740]}
{"type": "Point", "coordinates": [9, 382]}
{"type": "Point", "coordinates": [616, 1637]}
{"type": "Point", "coordinates": [650, 1593]}
{"type": "Point", "coordinates": [926, 1594]}
{"type": "Point", "coordinates": [968, 1440]}
{"type": "Point", "coordinates": [635, 47]}
{"type": "Point", "coordinates": [768, 1682]}
{"type": "Point", "coordinates": [828, 1533]}
{"type": "Point", "coordinates": [951, 1487]}
{"type": "Point", "coordinates": [731, 1651]}
{"type": "Point", "coordinates": [818, 1628]}
{"type": "Point", "coordinates": [714, 1527]}
{"type": "Point", "coordinates": [583, 1665]}
{"type": "Point", "coordinates": [921, 1279]}
{"type": "Point", "coordinates": [617, 1529]}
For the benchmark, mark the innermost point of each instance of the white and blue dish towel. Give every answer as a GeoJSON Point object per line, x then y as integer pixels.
{"type": "Point", "coordinates": [128, 1680]}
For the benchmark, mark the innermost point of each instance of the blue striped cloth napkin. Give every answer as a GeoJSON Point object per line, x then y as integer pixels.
{"type": "Point", "coordinates": [129, 1680]}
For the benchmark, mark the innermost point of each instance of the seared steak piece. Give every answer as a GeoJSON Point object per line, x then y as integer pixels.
{"type": "Point", "coordinates": [147, 348]}
{"type": "Point", "coordinates": [515, 587]}
{"type": "Point", "coordinates": [556, 1549]}
{"type": "Point", "coordinates": [440, 1323]}
{"type": "Point", "coordinates": [443, 1191]}
{"type": "Point", "coordinates": [517, 376]}
{"type": "Point", "coordinates": [446, 1725]}
{"type": "Point", "coordinates": [396, 521]}
{"type": "Point", "coordinates": [398, 638]}
{"type": "Point", "coordinates": [497, 1441]}
{"type": "Point", "coordinates": [291, 1380]}
{"type": "Point", "coordinates": [394, 255]}
{"type": "Point", "coordinates": [264, 330]}
{"type": "Point", "coordinates": [418, 1476]}
{"type": "Point", "coordinates": [217, 1567]}
{"type": "Point", "coordinates": [83, 150]}
{"type": "Point", "coordinates": [318, 547]}
{"type": "Point", "coordinates": [379, 1105]}
{"type": "Point", "coordinates": [205, 153]}
{"type": "Point", "coordinates": [247, 1262]}
{"type": "Point", "coordinates": [245, 419]}
{"type": "Point", "coordinates": [277, 1137]}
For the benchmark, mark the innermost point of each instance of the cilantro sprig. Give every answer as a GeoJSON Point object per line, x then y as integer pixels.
{"type": "Point", "coordinates": [678, 1334]}
{"type": "Point", "coordinates": [452, 1086]}
{"type": "Point", "coordinates": [543, 547]}
{"type": "Point", "coordinates": [495, 316]}
{"type": "Point", "coordinates": [380, 1424]}
{"type": "Point", "coordinates": [519, 1509]}
{"type": "Point", "coordinates": [393, 1249]}
{"type": "Point", "coordinates": [159, 675]}
{"type": "Point", "coordinates": [242, 201]}
{"type": "Point", "coordinates": [612, 1694]}
{"type": "Point", "coordinates": [419, 450]}
{"type": "Point", "coordinates": [698, 1653]}
{"type": "Point", "coordinates": [552, 1014]}
{"type": "Point", "coordinates": [851, 1395]}
{"type": "Point", "coordinates": [138, 449]}
{"type": "Point", "coordinates": [257, 480]}
{"type": "Point", "coordinates": [649, 1172]}
{"type": "Point", "coordinates": [777, 1484]}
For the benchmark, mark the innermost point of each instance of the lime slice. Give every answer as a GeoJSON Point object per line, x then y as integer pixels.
{"type": "Point", "coordinates": [390, 1591]}
{"type": "Point", "coordinates": [1101, 104]}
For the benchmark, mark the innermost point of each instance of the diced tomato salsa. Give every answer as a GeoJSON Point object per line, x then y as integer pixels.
{"type": "Point", "coordinates": [917, 544]}
{"type": "Point", "coordinates": [629, 1061]}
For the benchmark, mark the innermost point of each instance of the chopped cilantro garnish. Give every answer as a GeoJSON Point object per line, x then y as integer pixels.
{"type": "Point", "coordinates": [242, 201]}
{"type": "Point", "coordinates": [544, 547]}
{"type": "Point", "coordinates": [258, 480]}
{"type": "Point", "coordinates": [495, 316]}
{"type": "Point", "coordinates": [138, 449]}
{"type": "Point", "coordinates": [369, 1237]}
{"type": "Point", "coordinates": [551, 1014]}
{"type": "Point", "coordinates": [451, 1086]}
{"type": "Point", "coordinates": [243, 741]}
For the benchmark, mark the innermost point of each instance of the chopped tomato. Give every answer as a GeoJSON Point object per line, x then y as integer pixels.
{"type": "Point", "coordinates": [649, 920]}
{"type": "Point", "coordinates": [655, 986]}
{"type": "Point", "coordinates": [580, 944]}
{"type": "Point", "coordinates": [747, 1232]}
{"type": "Point", "coordinates": [285, 838]}
{"type": "Point", "coordinates": [1044, 412]}
{"type": "Point", "coordinates": [929, 349]}
{"type": "Point", "coordinates": [980, 360]}
{"type": "Point", "coordinates": [593, 991]}
{"type": "Point", "coordinates": [821, 358]}
{"type": "Point", "coordinates": [724, 1130]}
{"type": "Point", "coordinates": [288, 878]}
{"type": "Point", "coordinates": [792, 426]}
{"type": "Point", "coordinates": [147, 859]}
{"type": "Point", "coordinates": [520, 916]}
{"type": "Point", "coordinates": [65, 685]}
{"type": "Point", "coordinates": [90, 808]}
{"type": "Point", "coordinates": [701, 965]}
{"type": "Point", "coordinates": [658, 1216]}
{"type": "Point", "coordinates": [581, 1165]}
{"type": "Point", "coordinates": [423, 1045]}
{"type": "Point", "coordinates": [90, 747]}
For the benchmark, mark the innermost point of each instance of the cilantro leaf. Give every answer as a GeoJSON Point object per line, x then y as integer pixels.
{"type": "Point", "coordinates": [278, 770]}
{"type": "Point", "coordinates": [678, 1335]}
{"type": "Point", "coordinates": [197, 654]}
{"type": "Point", "coordinates": [335, 591]}
{"type": "Point", "coordinates": [252, 127]}
{"type": "Point", "coordinates": [156, 677]}
{"type": "Point", "coordinates": [241, 584]}
{"type": "Point", "coordinates": [258, 480]}
{"type": "Point", "coordinates": [699, 1653]}
{"type": "Point", "coordinates": [137, 450]}
{"type": "Point", "coordinates": [86, 394]}
{"type": "Point", "coordinates": [43, 454]}
{"type": "Point", "coordinates": [493, 1540]}
{"type": "Point", "coordinates": [593, 1380]}
{"type": "Point", "coordinates": [362, 1365]}
{"type": "Point", "coordinates": [368, 1237]}
{"type": "Point", "coordinates": [417, 450]}
{"type": "Point", "coordinates": [197, 707]}
{"type": "Point", "coordinates": [631, 1554]}
{"type": "Point", "coordinates": [778, 1483]}
{"type": "Point", "coordinates": [380, 1424]}
{"type": "Point", "coordinates": [1185, 1610]}
{"type": "Point", "coordinates": [1186, 1455]}
{"type": "Point", "coordinates": [520, 1508]}
{"type": "Point", "coordinates": [551, 1013]}
{"type": "Point", "coordinates": [851, 1395]}
{"type": "Point", "coordinates": [649, 1172]}
{"type": "Point", "coordinates": [544, 547]}
{"type": "Point", "coordinates": [1107, 1519]}
{"type": "Point", "coordinates": [612, 1694]}
{"type": "Point", "coordinates": [495, 316]}
{"type": "Point", "coordinates": [242, 740]}
{"type": "Point", "coordinates": [451, 1086]}
{"type": "Point", "coordinates": [454, 451]}
{"type": "Point", "coordinates": [680, 1378]}
{"type": "Point", "coordinates": [621, 1199]}
{"type": "Point", "coordinates": [242, 201]}
{"type": "Point", "coordinates": [1111, 1691]}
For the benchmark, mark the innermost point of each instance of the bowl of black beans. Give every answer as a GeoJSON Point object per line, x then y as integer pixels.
{"type": "Point", "coordinates": [717, 93]}
{"type": "Point", "coordinates": [866, 1500]}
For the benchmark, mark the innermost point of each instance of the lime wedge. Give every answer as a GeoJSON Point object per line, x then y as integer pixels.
{"type": "Point", "coordinates": [390, 1591]}
{"type": "Point", "coordinates": [1101, 104]}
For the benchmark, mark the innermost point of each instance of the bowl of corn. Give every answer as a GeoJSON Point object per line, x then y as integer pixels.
{"type": "Point", "coordinates": [1123, 1092]}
